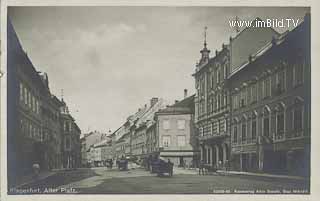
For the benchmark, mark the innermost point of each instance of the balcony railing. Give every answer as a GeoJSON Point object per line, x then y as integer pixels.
{"type": "Point", "coordinates": [212, 136]}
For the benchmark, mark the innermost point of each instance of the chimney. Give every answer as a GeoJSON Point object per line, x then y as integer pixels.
{"type": "Point", "coordinates": [153, 101]}
{"type": "Point", "coordinates": [185, 93]}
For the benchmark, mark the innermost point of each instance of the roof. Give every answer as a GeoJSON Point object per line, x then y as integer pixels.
{"type": "Point", "coordinates": [212, 59]}
{"type": "Point", "coordinates": [185, 106]}
{"type": "Point", "coordinates": [266, 49]}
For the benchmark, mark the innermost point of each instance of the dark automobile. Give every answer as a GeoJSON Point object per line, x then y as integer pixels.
{"type": "Point", "coordinates": [160, 167]}
{"type": "Point", "coordinates": [123, 164]}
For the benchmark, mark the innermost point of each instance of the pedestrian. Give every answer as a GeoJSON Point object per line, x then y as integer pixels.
{"type": "Point", "coordinates": [201, 167]}
{"type": "Point", "coordinates": [170, 164]}
{"type": "Point", "coordinates": [111, 163]}
{"type": "Point", "coordinates": [36, 170]}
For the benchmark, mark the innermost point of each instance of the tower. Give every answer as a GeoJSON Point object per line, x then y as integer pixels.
{"type": "Point", "coordinates": [205, 51]}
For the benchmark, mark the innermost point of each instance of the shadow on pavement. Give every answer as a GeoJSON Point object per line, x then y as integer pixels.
{"type": "Point", "coordinates": [62, 178]}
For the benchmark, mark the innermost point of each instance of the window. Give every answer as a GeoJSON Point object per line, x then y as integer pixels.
{"type": "Point", "coordinates": [212, 104]}
{"type": "Point", "coordinates": [25, 96]}
{"type": "Point", "coordinates": [260, 90]}
{"type": "Point", "coordinates": [21, 92]}
{"type": "Point", "coordinates": [219, 127]}
{"type": "Point", "coordinates": [243, 98]}
{"type": "Point", "coordinates": [254, 126]}
{"type": "Point", "coordinates": [181, 140]}
{"type": "Point", "coordinates": [181, 124]}
{"type": "Point", "coordinates": [297, 119]}
{"type": "Point", "coordinates": [225, 125]}
{"type": "Point", "coordinates": [201, 131]}
{"type": "Point", "coordinates": [254, 92]}
{"type": "Point", "coordinates": [166, 124]}
{"type": "Point", "coordinates": [235, 101]}
{"type": "Point", "coordinates": [68, 143]}
{"type": "Point", "coordinates": [31, 131]}
{"type": "Point", "coordinates": [215, 127]}
{"type": "Point", "coordinates": [267, 87]}
{"type": "Point", "coordinates": [235, 133]}
{"type": "Point", "coordinates": [244, 130]}
{"type": "Point", "coordinates": [266, 122]}
{"type": "Point", "coordinates": [29, 99]}
{"type": "Point", "coordinates": [33, 104]}
{"type": "Point", "coordinates": [166, 141]}
{"type": "Point", "coordinates": [212, 79]}
{"type": "Point", "coordinates": [249, 95]}
{"type": "Point", "coordinates": [219, 102]}
{"type": "Point", "coordinates": [280, 121]}
{"type": "Point", "coordinates": [298, 74]}
{"type": "Point", "coordinates": [280, 82]}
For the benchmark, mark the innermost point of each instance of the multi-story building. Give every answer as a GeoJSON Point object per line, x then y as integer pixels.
{"type": "Point", "coordinates": [71, 153]}
{"type": "Point", "coordinates": [212, 102]}
{"type": "Point", "coordinates": [174, 136]}
{"type": "Point", "coordinates": [270, 95]}
{"type": "Point", "coordinates": [25, 90]}
{"type": "Point", "coordinates": [35, 132]}
{"type": "Point", "coordinates": [212, 106]}
{"type": "Point", "coordinates": [139, 128]}
{"type": "Point", "coordinates": [84, 155]}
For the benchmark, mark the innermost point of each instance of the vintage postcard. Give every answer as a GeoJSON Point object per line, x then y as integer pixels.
{"type": "Point", "coordinates": [156, 100]}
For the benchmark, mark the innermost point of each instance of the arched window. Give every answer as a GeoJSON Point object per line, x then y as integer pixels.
{"type": "Point", "coordinates": [244, 129]}
{"type": "Point", "coordinates": [298, 73]}
{"type": "Point", "coordinates": [266, 121]}
{"type": "Point", "coordinates": [297, 115]}
{"type": "Point", "coordinates": [254, 125]}
{"type": "Point", "coordinates": [235, 131]}
{"type": "Point", "coordinates": [280, 121]}
{"type": "Point", "coordinates": [218, 74]}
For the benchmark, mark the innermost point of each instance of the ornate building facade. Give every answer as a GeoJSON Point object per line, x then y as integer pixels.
{"type": "Point", "coordinates": [270, 96]}
{"type": "Point", "coordinates": [212, 106]}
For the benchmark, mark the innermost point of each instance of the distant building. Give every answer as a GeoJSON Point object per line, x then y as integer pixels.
{"type": "Point", "coordinates": [139, 128]}
{"type": "Point", "coordinates": [71, 154]}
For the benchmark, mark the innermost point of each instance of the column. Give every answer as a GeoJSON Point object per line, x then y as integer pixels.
{"type": "Point", "coordinates": [201, 152]}
{"type": "Point", "coordinates": [224, 153]}
{"type": "Point", "coordinates": [217, 155]}
{"type": "Point", "coordinates": [211, 155]}
{"type": "Point", "coordinates": [241, 165]}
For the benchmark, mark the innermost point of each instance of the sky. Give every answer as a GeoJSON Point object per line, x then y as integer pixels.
{"type": "Point", "coordinates": [110, 61]}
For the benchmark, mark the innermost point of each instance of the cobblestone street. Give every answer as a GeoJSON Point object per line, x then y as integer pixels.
{"type": "Point", "coordinates": [104, 181]}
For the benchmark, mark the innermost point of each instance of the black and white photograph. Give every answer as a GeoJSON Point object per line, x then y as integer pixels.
{"type": "Point", "coordinates": [158, 100]}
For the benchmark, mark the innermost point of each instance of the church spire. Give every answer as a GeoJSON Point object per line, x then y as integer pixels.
{"type": "Point", "coordinates": [205, 37]}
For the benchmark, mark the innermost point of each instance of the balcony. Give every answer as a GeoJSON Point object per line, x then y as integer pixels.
{"type": "Point", "coordinates": [214, 136]}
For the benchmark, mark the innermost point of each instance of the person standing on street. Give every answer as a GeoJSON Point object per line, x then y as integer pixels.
{"type": "Point", "coordinates": [36, 170]}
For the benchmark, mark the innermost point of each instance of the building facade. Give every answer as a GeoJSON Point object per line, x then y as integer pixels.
{"type": "Point", "coordinates": [174, 134]}
{"type": "Point", "coordinates": [212, 106]}
{"type": "Point", "coordinates": [35, 130]}
{"type": "Point", "coordinates": [71, 148]}
{"type": "Point", "coordinates": [212, 101]}
{"type": "Point", "coordinates": [270, 96]}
